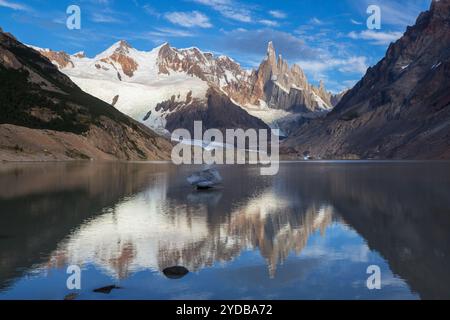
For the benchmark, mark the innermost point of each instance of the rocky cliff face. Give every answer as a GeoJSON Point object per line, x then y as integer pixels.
{"type": "Point", "coordinates": [401, 107]}
{"type": "Point", "coordinates": [45, 116]}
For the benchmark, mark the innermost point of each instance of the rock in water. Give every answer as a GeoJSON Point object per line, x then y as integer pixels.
{"type": "Point", "coordinates": [205, 179]}
{"type": "Point", "coordinates": [107, 290]}
{"type": "Point", "coordinates": [175, 272]}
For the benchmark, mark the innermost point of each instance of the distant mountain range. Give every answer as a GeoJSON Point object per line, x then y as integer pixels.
{"type": "Point", "coordinates": [401, 107]}
{"type": "Point", "coordinates": [45, 116]}
{"type": "Point", "coordinates": [169, 88]}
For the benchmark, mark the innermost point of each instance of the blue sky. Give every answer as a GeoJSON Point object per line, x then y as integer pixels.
{"type": "Point", "coordinates": [328, 38]}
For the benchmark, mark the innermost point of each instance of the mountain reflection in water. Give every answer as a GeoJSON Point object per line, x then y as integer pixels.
{"type": "Point", "coordinates": [127, 219]}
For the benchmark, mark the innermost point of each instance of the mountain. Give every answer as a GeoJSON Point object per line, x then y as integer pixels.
{"type": "Point", "coordinates": [401, 107]}
{"type": "Point", "coordinates": [286, 88]}
{"type": "Point", "coordinates": [216, 111]}
{"type": "Point", "coordinates": [45, 116]}
{"type": "Point", "coordinates": [139, 83]}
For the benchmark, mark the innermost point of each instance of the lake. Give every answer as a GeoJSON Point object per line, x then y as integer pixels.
{"type": "Point", "coordinates": [310, 232]}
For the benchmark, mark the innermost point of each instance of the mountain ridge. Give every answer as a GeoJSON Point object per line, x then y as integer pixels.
{"type": "Point", "coordinates": [166, 71]}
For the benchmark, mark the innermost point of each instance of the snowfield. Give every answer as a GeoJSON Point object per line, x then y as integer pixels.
{"type": "Point", "coordinates": [136, 100]}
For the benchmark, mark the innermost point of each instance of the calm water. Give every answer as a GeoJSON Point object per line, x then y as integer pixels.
{"type": "Point", "coordinates": [308, 233]}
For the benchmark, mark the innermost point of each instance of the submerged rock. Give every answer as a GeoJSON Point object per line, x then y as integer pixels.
{"type": "Point", "coordinates": [205, 179]}
{"type": "Point", "coordinates": [71, 296]}
{"type": "Point", "coordinates": [107, 289]}
{"type": "Point", "coordinates": [175, 272]}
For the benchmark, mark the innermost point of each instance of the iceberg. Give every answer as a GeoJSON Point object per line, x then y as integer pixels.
{"type": "Point", "coordinates": [205, 179]}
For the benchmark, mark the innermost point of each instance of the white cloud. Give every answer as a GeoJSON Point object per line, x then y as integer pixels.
{"type": "Point", "coordinates": [356, 64]}
{"type": "Point", "coordinates": [104, 18]}
{"type": "Point", "coordinates": [376, 37]}
{"type": "Point", "coordinates": [253, 43]}
{"type": "Point", "coordinates": [160, 35]}
{"type": "Point", "coordinates": [229, 9]}
{"type": "Point", "coordinates": [269, 23]}
{"type": "Point", "coordinates": [358, 23]}
{"type": "Point", "coordinates": [316, 21]}
{"type": "Point", "coordinates": [319, 67]}
{"type": "Point", "coordinates": [278, 14]}
{"type": "Point", "coordinates": [170, 33]}
{"type": "Point", "coordinates": [13, 5]}
{"type": "Point", "coordinates": [189, 19]}
{"type": "Point", "coordinates": [151, 11]}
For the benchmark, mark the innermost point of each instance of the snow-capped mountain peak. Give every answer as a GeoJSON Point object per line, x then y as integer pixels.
{"type": "Point", "coordinates": [120, 56]}
{"type": "Point", "coordinates": [136, 82]}
{"type": "Point", "coordinates": [120, 47]}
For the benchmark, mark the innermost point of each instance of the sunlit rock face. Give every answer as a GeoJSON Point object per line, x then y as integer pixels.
{"type": "Point", "coordinates": [59, 58]}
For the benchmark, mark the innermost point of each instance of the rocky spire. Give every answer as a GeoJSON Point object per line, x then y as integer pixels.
{"type": "Point", "coordinates": [322, 89]}
{"type": "Point", "coordinates": [282, 65]}
{"type": "Point", "coordinates": [271, 55]}
{"type": "Point", "coordinates": [324, 94]}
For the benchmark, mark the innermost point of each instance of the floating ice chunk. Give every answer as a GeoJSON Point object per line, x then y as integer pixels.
{"type": "Point", "coordinates": [205, 179]}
